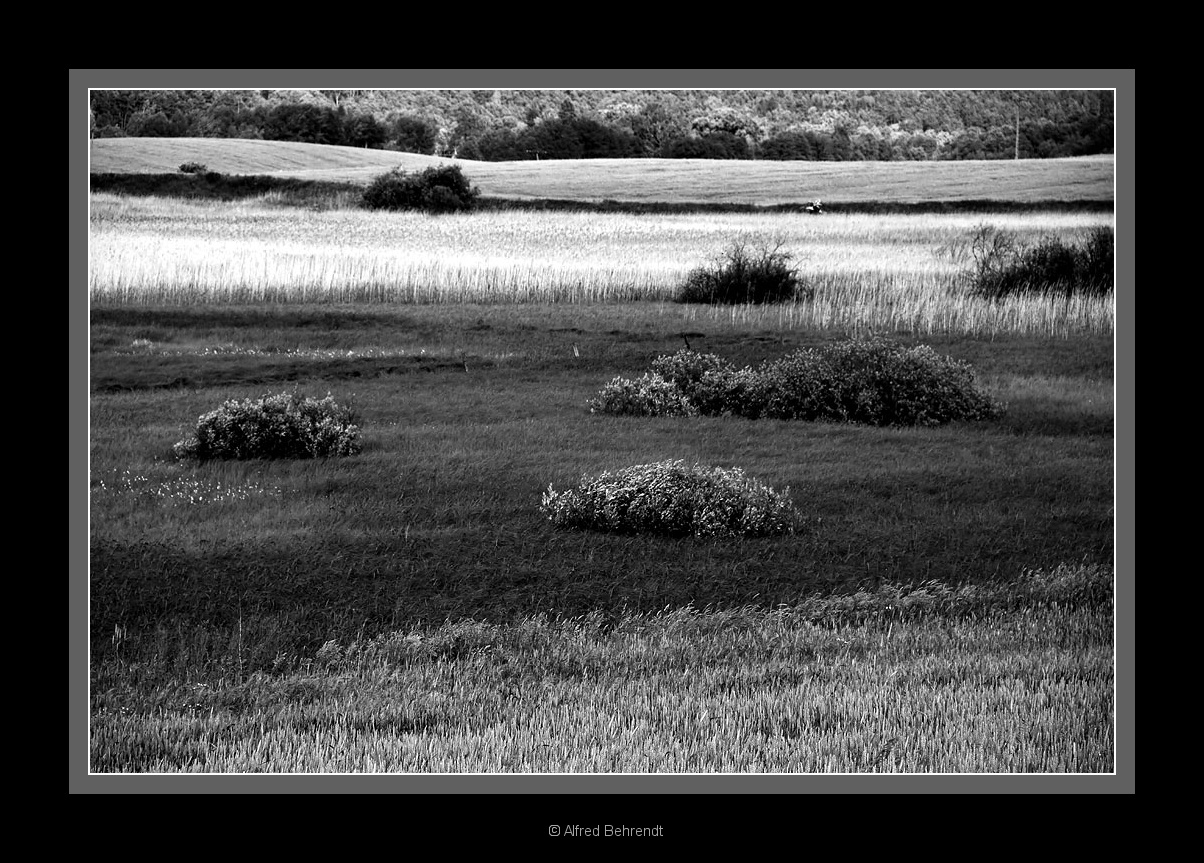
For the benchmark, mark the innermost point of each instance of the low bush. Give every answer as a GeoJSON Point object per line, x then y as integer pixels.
{"type": "Point", "coordinates": [287, 425]}
{"type": "Point", "coordinates": [877, 382]}
{"type": "Point", "coordinates": [745, 274]}
{"type": "Point", "coordinates": [1050, 267]}
{"type": "Point", "coordinates": [650, 395]}
{"type": "Point", "coordinates": [442, 189]}
{"type": "Point", "coordinates": [194, 168]}
{"type": "Point", "coordinates": [871, 381]}
{"type": "Point", "coordinates": [670, 497]}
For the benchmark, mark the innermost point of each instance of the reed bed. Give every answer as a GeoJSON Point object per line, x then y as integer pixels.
{"type": "Point", "coordinates": [902, 272]}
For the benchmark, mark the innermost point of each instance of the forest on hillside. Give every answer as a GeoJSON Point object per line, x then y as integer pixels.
{"type": "Point", "coordinates": [508, 125]}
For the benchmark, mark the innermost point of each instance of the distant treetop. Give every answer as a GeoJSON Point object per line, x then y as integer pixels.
{"type": "Point", "coordinates": [508, 125]}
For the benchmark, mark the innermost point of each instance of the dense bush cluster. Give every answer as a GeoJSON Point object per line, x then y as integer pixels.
{"type": "Point", "coordinates": [745, 274]}
{"type": "Point", "coordinates": [194, 168]}
{"type": "Point", "coordinates": [670, 497]}
{"type": "Point", "coordinates": [870, 381]}
{"type": "Point", "coordinates": [287, 425]}
{"type": "Point", "coordinates": [442, 189]}
{"type": "Point", "coordinates": [1004, 268]}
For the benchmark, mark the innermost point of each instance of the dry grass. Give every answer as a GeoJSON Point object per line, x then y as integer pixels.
{"type": "Point", "coordinates": [900, 272]}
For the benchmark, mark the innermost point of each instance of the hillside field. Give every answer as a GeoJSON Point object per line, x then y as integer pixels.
{"type": "Point", "coordinates": [1088, 179]}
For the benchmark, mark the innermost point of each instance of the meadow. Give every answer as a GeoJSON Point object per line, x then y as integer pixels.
{"type": "Point", "coordinates": [878, 272]}
{"type": "Point", "coordinates": [761, 183]}
{"type": "Point", "coordinates": [947, 606]}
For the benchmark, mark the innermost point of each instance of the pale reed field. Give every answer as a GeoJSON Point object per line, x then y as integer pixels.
{"type": "Point", "coordinates": [902, 272]}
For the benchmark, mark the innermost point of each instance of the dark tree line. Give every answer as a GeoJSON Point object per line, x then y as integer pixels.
{"type": "Point", "coordinates": [571, 124]}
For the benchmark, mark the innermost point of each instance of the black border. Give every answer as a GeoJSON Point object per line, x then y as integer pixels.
{"type": "Point", "coordinates": [575, 809]}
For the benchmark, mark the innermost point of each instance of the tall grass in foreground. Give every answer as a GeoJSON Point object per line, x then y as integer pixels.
{"type": "Point", "coordinates": [1012, 678]}
{"type": "Point", "coordinates": [902, 272]}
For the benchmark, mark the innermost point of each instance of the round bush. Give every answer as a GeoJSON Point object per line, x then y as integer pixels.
{"type": "Point", "coordinates": [442, 189]}
{"type": "Point", "coordinates": [670, 497]}
{"type": "Point", "coordinates": [744, 274]}
{"type": "Point", "coordinates": [287, 425]}
{"type": "Point", "coordinates": [877, 382]}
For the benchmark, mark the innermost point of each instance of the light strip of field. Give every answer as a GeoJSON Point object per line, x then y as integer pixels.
{"type": "Point", "coordinates": [866, 271]}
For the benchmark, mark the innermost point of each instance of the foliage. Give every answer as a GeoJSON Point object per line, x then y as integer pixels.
{"type": "Point", "coordinates": [194, 168]}
{"type": "Point", "coordinates": [875, 382]}
{"type": "Point", "coordinates": [442, 189]}
{"type": "Point", "coordinates": [414, 135]}
{"type": "Point", "coordinates": [650, 395]}
{"type": "Point", "coordinates": [286, 426]}
{"type": "Point", "coordinates": [870, 381]}
{"type": "Point", "coordinates": [672, 498]}
{"type": "Point", "coordinates": [745, 273]}
{"type": "Point", "coordinates": [882, 125]}
{"type": "Point", "coordinates": [715, 145]}
{"type": "Point", "coordinates": [1003, 267]}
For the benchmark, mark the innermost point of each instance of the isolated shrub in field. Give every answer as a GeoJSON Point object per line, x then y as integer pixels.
{"type": "Point", "coordinates": [670, 497]}
{"type": "Point", "coordinates": [650, 395]}
{"type": "Point", "coordinates": [193, 168]}
{"type": "Point", "coordinates": [287, 425]}
{"type": "Point", "coordinates": [442, 189]}
{"type": "Point", "coordinates": [744, 274]}
{"type": "Point", "coordinates": [1050, 267]}
{"type": "Point", "coordinates": [871, 381]}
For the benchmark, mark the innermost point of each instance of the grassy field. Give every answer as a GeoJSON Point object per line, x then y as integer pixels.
{"type": "Point", "coordinates": [1087, 179]}
{"type": "Point", "coordinates": [946, 606]}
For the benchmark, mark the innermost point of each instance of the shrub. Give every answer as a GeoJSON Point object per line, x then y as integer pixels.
{"type": "Point", "coordinates": [672, 498]}
{"type": "Point", "coordinates": [870, 381]}
{"type": "Point", "coordinates": [442, 189]}
{"type": "Point", "coordinates": [702, 378]}
{"type": "Point", "coordinates": [193, 168]}
{"type": "Point", "coordinates": [650, 395]}
{"type": "Point", "coordinates": [744, 274]}
{"type": "Point", "coordinates": [878, 382]}
{"type": "Point", "coordinates": [1004, 268]}
{"type": "Point", "coordinates": [803, 386]}
{"type": "Point", "coordinates": [273, 426]}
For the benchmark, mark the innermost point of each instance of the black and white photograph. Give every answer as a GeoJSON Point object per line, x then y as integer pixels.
{"type": "Point", "coordinates": [484, 426]}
